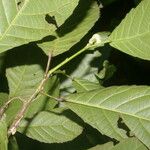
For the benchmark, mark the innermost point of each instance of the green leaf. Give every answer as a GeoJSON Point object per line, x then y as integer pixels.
{"type": "Point", "coordinates": [3, 135]}
{"type": "Point", "coordinates": [82, 85]}
{"type": "Point", "coordinates": [85, 67]}
{"type": "Point", "coordinates": [12, 110]}
{"type": "Point", "coordinates": [31, 20]}
{"type": "Point", "coordinates": [81, 68]}
{"type": "Point", "coordinates": [103, 108]}
{"type": "Point", "coordinates": [133, 34]}
{"type": "Point", "coordinates": [42, 102]}
{"type": "Point", "coordinates": [127, 144]}
{"type": "Point", "coordinates": [107, 72]}
{"type": "Point", "coordinates": [52, 127]}
{"type": "Point", "coordinates": [25, 73]}
{"type": "Point", "coordinates": [3, 98]}
{"type": "Point", "coordinates": [73, 29]}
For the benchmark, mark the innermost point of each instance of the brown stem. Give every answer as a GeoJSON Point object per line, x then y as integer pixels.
{"type": "Point", "coordinates": [48, 65]}
{"type": "Point", "coordinates": [13, 127]}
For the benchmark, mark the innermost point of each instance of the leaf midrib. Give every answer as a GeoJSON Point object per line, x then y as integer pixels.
{"type": "Point", "coordinates": [78, 82]}
{"type": "Point", "coordinates": [103, 108]}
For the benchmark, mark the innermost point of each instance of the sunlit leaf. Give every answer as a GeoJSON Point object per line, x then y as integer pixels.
{"type": "Point", "coordinates": [31, 20]}
{"type": "Point", "coordinates": [132, 36]}
{"type": "Point", "coordinates": [102, 109]}
{"type": "Point", "coordinates": [75, 28]}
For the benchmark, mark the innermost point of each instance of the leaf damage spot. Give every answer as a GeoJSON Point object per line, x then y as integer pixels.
{"type": "Point", "coordinates": [19, 4]}
{"type": "Point", "coordinates": [51, 20]}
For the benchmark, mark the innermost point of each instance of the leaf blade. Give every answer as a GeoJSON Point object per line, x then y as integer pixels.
{"type": "Point", "coordinates": [25, 73]}
{"type": "Point", "coordinates": [51, 127]}
{"type": "Point", "coordinates": [129, 103]}
{"type": "Point", "coordinates": [82, 85]}
{"type": "Point", "coordinates": [3, 135]}
{"type": "Point", "coordinates": [72, 31]}
{"type": "Point", "coordinates": [26, 24]}
{"type": "Point", "coordinates": [133, 34]}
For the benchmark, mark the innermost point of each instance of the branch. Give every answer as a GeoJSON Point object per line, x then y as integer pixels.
{"type": "Point", "coordinates": [48, 65]}
{"type": "Point", "coordinates": [92, 43]}
{"type": "Point", "coordinates": [13, 127]}
{"type": "Point", "coordinates": [97, 40]}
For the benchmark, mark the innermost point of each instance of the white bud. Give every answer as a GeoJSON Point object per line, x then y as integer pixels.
{"type": "Point", "coordinates": [96, 39]}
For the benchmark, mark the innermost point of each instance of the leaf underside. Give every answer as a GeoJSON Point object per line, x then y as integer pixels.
{"type": "Point", "coordinates": [51, 127]}
{"type": "Point", "coordinates": [75, 28]}
{"type": "Point", "coordinates": [3, 135]}
{"type": "Point", "coordinates": [21, 24]}
{"type": "Point", "coordinates": [25, 73]}
{"type": "Point", "coordinates": [102, 109]}
{"type": "Point", "coordinates": [132, 36]}
{"type": "Point", "coordinates": [82, 85]}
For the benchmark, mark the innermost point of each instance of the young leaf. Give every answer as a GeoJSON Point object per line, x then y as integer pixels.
{"type": "Point", "coordinates": [71, 32]}
{"type": "Point", "coordinates": [83, 71]}
{"type": "Point", "coordinates": [98, 40]}
{"type": "Point", "coordinates": [31, 20]}
{"type": "Point", "coordinates": [107, 71]}
{"type": "Point", "coordinates": [103, 108]}
{"type": "Point", "coordinates": [133, 34]}
{"type": "Point", "coordinates": [52, 126]}
{"type": "Point", "coordinates": [3, 135]}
